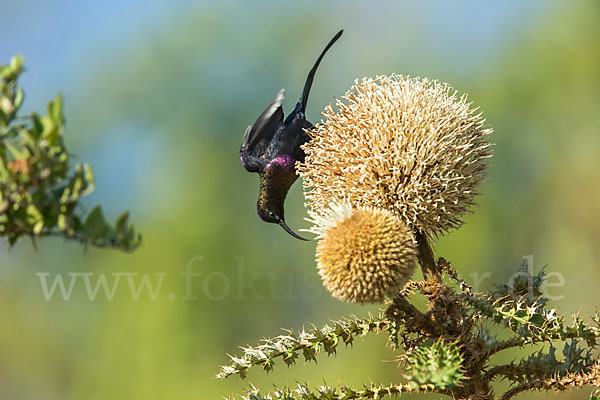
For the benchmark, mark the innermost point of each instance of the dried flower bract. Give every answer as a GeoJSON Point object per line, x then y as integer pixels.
{"type": "Point", "coordinates": [363, 255]}
{"type": "Point", "coordinates": [408, 145]}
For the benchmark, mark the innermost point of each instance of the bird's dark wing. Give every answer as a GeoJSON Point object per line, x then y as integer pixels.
{"type": "Point", "coordinates": [258, 136]}
{"type": "Point", "coordinates": [288, 140]}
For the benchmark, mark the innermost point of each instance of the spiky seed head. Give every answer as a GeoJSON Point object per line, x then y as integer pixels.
{"type": "Point", "coordinates": [408, 145]}
{"type": "Point", "coordinates": [363, 255]}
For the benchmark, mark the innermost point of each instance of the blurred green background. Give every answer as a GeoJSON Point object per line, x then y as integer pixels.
{"type": "Point", "coordinates": [157, 97]}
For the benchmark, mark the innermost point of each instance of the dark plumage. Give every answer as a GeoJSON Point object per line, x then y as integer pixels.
{"type": "Point", "coordinates": [271, 148]}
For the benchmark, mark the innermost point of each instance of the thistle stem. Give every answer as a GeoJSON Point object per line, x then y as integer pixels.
{"type": "Point", "coordinates": [426, 258]}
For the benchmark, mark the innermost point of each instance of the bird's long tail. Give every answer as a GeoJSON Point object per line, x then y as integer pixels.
{"type": "Point", "coordinates": [311, 75]}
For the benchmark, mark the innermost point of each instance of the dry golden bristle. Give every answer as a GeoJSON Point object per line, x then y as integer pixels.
{"type": "Point", "coordinates": [406, 145]}
{"type": "Point", "coordinates": [363, 255]}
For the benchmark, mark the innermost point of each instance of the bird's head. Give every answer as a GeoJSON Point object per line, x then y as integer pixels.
{"type": "Point", "coordinates": [274, 214]}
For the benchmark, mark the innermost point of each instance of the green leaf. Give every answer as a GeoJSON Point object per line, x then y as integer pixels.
{"type": "Point", "coordinates": [94, 224]}
{"type": "Point", "coordinates": [77, 182]}
{"type": "Point", "coordinates": [3, 118]}
{"type": "Point", "coordinates": [37, 127]}
{"type": "Point", "coordinates": [27, 138]}
{"type": "Point", "coordinates": [55, 111]}
{"type": "Point", "coordinates": [121, 222]}
{"type": "Point", "coordinates": [62, 222]}
{"type": "Point", "coordinates": [17, 154]}
{"type": "Point", "coordinates": [88, 176]}
{"type": "Point", "coordinates": [19, 96]}
{"type": "Point", "coordinates": [35, 218]}
{"type": "Point", "coordinates": [12, 71]}
{"type": "Point", "coordinates": [16, 64]}
{"type": "Point", "coordinates": [50, 130]}
{"type": "Point", "coordinates": [3, 170]}
{"type": "Point", "coordinates": [37, 228]}
{"type": "Point", "coordinates": [537, 319]}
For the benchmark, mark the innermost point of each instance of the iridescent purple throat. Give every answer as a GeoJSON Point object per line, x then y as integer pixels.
{"type": "Point", "coordinates": [285, 161]}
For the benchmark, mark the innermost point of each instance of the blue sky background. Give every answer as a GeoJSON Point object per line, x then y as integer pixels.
{"type": "Point", "coordinates": [61, 38]}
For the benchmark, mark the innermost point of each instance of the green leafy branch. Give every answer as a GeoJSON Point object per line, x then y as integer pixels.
{"type": "Point", "coordinates": [40, 192]}
{"type": "Point", "coordinates": [326, 392]}
{"type": "Point", "coordinates": [546, 365]}
{"type": "Point", "coordinates": [309, 343]}
{"type": "Point", "coordinates": [557, 383]}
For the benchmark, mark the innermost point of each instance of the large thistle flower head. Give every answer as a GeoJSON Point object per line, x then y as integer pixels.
{"type": "Point", "coordinates": [407, 145]}
{"type": "Point", "coordinates": [364, 255]}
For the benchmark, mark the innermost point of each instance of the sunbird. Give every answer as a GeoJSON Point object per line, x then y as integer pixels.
{"type": "Point", "coordinates": [271, 147]}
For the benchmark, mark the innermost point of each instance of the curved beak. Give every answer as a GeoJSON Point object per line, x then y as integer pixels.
{"type": "Point", "coordinates": [288, 230]}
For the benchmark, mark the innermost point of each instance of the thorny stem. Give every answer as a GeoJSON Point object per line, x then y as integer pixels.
{"type": "Point", "coordinates": [409, 312]}
{"type": "Point", "coordinates": [497, 370]}
{"type": "Point", "coordinates": [498, 347]}
{"type": "Point", "coordinates": [557, 383]}
{"type": "Point", "coordinates": [426, 258]}
{"type": "Point", "coordinates": [522, 388]}
{"type": "Point", "coordinates": [451, 317]}
{"type": "Point", "coordinates": [402, 304]}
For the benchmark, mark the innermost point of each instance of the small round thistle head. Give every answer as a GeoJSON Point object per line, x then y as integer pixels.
{"type": "Point", "coordinates": [407, 145]}
{"type": "Point", "coordinates": [364, 255]}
